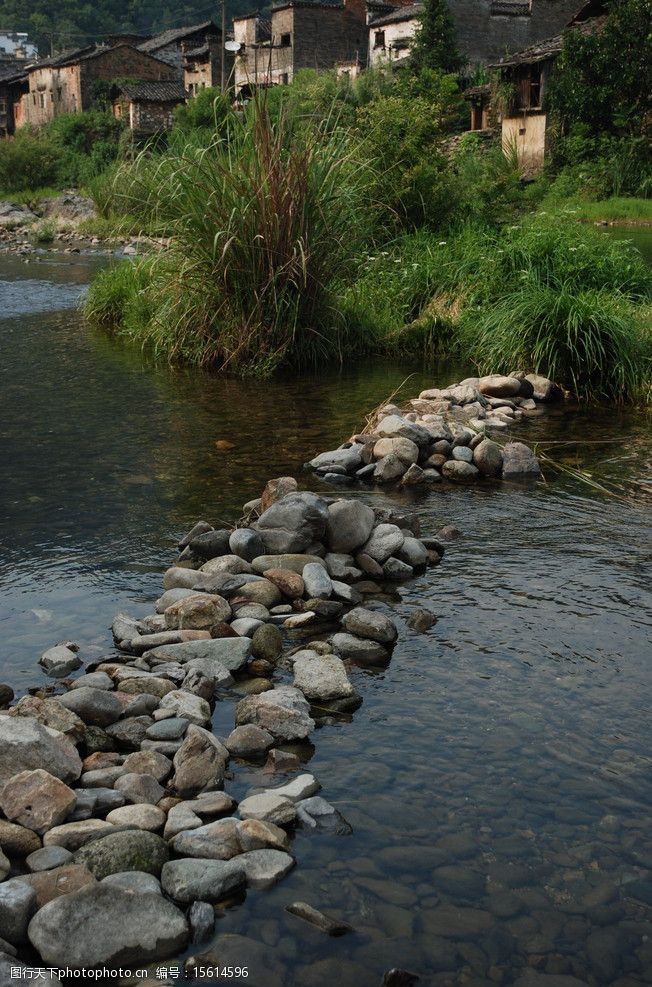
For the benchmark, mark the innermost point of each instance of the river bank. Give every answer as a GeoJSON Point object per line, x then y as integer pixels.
{"type": "Point", "coordinates": [469, 727]}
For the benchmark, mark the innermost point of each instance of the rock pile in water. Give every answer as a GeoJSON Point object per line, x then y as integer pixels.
{"type": "Point", "coordinates": [116, 835]}
{"type": "Point", "coordinates": [444, 434]}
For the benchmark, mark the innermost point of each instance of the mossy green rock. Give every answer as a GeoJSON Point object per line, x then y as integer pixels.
{"type": "Point", "coordinates": [127, 851]}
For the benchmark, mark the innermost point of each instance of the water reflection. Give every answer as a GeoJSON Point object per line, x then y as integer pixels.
{"type": "Point", "coordinates": [497, 776]}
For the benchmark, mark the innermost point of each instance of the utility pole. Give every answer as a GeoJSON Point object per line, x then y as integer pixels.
{"type": "Point", "coordinates": [223, 50]}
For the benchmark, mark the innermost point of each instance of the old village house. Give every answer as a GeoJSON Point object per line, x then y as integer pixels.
{"type": "Point", "coordinates": [67, 82]}
{"type": "Point", "coordinates": [148, 107]}
{"type": "Point", "coordinates": [171, 46]}
{"type": "Point", "coordinates": [525, 77]}
{"type": "Point", "coordinates": [301, 34]}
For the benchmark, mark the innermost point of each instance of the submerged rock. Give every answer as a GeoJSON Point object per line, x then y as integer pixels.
{"type": "Point", "coordinates": [519, 461]}
{"type": "Point", "coordinates": [60, 660]}
{"type": "Point", "coordinates": [331, 926]}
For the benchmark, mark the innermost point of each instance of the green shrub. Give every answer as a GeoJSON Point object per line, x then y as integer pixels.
{"type": "Point", "coordinates": [121, 295]}
{"type": "Point", "coordinates": [590, 340]}
{"type": "Point", "coordinates": [263, 227]}
{"type": "Point", "coordinates": [43, 233]}
{"type": "Point", "coordinates": [28, 161]}
{"type": "Point", "coordinates": [208, 111]}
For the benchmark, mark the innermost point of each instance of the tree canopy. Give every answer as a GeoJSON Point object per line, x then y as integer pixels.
{"type": "Point", "coordinates": [603, 80]}
{"type": "Point", "coordinates": [434, 44]}
{"type": "Point", "coordinates": [74, 23]}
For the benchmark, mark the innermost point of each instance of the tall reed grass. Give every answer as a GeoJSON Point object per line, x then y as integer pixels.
{"type": "Point", "coordinates": [262, 227]}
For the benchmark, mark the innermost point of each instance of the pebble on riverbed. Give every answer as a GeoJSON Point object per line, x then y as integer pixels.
{"type": "Point", "coordinates": [444, 433]}
{"type": "Point", "coordinates": [111, 791]}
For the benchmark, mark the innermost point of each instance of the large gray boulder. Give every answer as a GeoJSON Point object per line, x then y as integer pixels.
{"type": "Point", "coordinates": [371, 625]}
{"type": "Point", "coordinates": [116, 853]}
{"type": "Point", "coordinates": [17, 904]}
{"type": "Point", "coordinates": [95, 707]}
{"type": "Point", "coordinates": [102, 924]}
{"type": "Point", "coordinates": [36, 800]}
{"type": "Point", "coordinates": [189, 879]}
{"type": "Point", "coordinates": [488, 458]}
{"type": "Point", "coordinates": [293, 523]}
{"type": "Point", "coordinates": [27, 745]}
{"type": "Point", "coordinates": [60, 660]}
{"type": "Point", "coordinates": [350, 523]}
{"type": "Point", "coordinates": [544, 389]}
{"type": "Point", "coordinates": [519, 461]}
{"type": "Point", "coordinates": [214, 841]}
{"type": "Point", "coordinates": [264, 868]}
{"type": "Point", "coordinates": [295, 562]}
{"type": "Point", "coordinates": [187, 706]}
{"type": "Point", "coordinates": [197, 612]}
{"type": "Point", "coordinates": [497, 386]}
{"type": "Point", "coordinates": [394, 427]}
{"type": "Point", "coordinates": [199, 764]}
{"type": "Point", "coordinates": [282, 711]}
{"type": "Point", "coordinates": [385, 539]}
{"type": "Point", "coordinates": [349, 459]}
{"type": "Point", "coordinates": [232, 653]}
{"type": "Point", "coordinates": [362, 651]}
{"type": "Point", "coordinates": [246, 543]}
{"type": "Point", "coordinates": [321, 677]}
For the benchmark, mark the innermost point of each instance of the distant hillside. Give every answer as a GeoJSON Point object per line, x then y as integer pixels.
{"type": "Point", "coordinates": [72, 23]}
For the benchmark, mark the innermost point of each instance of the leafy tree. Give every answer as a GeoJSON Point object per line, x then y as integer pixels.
{"type": "Point", "coordinates": [603, 79]}
{"type": "Point", "coordinates": [434, 45]}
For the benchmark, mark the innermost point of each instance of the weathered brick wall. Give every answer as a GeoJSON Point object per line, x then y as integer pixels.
{"type": "Point", "coordinates": [121, 63]}
{"type": "Point", "coordinates": [484, 37]}
{"type": "Point", "coordinates": [148, 117]}
{"type": "Point", "coordinates": [52, 92]}
{"type": "Point", "coordinates": [326, 36]}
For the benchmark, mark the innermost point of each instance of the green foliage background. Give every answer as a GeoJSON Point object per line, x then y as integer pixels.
{"type": "Point", "coordinates": [74, 23]}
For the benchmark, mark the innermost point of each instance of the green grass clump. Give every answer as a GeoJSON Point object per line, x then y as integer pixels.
{"type": "Point", "coordinates": [120, 295]}
{"type": "Point", "coordinates": [43, 233]}
{"type": "Point", "coordinates": [564, 301]}
{"type": "Point", "coordinates": [591, 340]}
{"type": "Point", "coordinates": [262, 228]}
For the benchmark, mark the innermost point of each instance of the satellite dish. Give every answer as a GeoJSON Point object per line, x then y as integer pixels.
{"type": "Point", "coordinates": [232, 45]}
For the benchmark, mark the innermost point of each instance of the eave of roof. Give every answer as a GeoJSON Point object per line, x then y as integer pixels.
{"type": "Point", "coordinates": [168, 37]}
{"type": "Point", "coordinates": [396, 16]}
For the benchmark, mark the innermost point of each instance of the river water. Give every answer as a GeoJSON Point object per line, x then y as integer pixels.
{"type": "Point", "coordinates": [498, 774]}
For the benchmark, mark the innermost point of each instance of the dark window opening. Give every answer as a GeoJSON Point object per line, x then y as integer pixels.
{"type": "Point", "coordinates": [529, 88]}
{"type": "Point", "coordinates": [286, 40]}
{"type": "Point", "coordinates": [379, 39]}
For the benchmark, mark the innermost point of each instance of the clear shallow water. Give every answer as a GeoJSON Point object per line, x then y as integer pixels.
{"type": "Point", "coordinates": [497, 776]}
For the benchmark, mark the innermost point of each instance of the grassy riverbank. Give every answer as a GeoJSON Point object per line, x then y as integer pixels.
{"type": "Point", "coordinates": [341, 217]}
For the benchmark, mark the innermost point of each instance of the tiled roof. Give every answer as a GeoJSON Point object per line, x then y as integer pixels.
{"type": "Point", "coordinates": [155, 92]}
{"type": "Point", "coordinates": [510, 8]}
{"type": "Point", "coordinates": [174, 34]}
{"type": "Point", "coordinates": [396, 16]}
{"type": "Point", "coordinates": [329, 4]}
